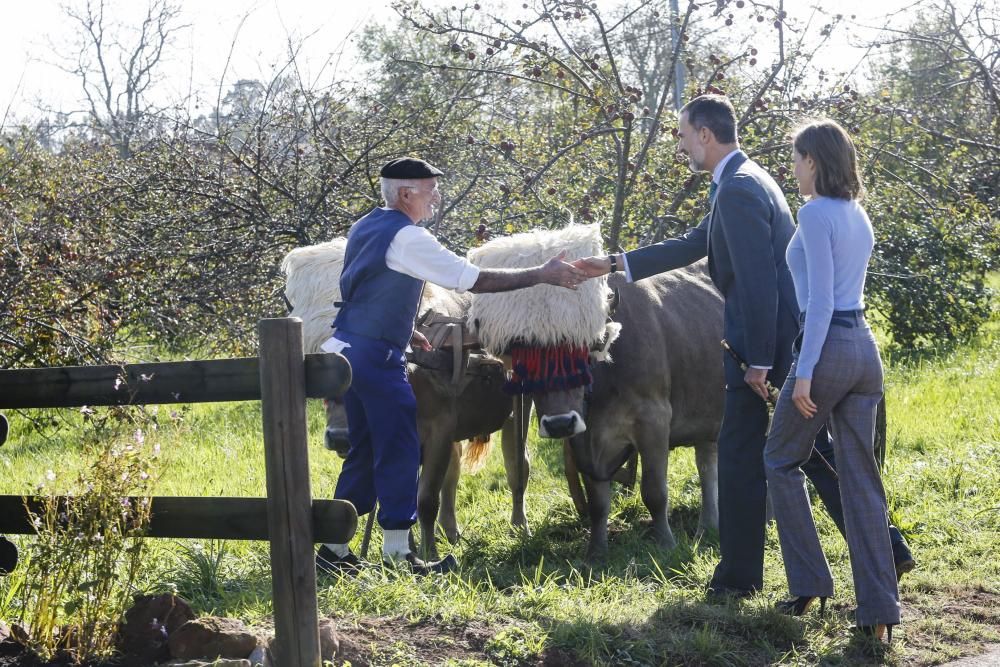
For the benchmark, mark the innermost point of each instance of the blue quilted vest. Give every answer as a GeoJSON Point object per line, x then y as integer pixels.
{"type": "Point", "coordinates": [376, 301]}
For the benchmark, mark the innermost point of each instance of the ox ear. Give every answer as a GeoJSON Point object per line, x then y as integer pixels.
{"type": "Point", "coordinates": [603, 352]}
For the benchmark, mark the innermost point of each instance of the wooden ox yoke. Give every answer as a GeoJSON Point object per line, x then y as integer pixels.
{"type": "Point", "coordinates": [456, 348]}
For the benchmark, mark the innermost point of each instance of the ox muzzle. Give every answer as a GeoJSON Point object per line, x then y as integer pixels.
{"type": "Point", "coordinates": [336, 441]}
{"type": "Point", "coordinates": [561, 426]}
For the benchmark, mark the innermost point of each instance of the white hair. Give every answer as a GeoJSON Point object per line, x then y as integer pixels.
{"type": "Point", "coordinates": [390, 188]}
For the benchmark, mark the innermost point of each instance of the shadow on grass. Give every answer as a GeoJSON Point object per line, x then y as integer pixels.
{"type": "Point", "coordinates": [694, 632]}
{"type": "Point", "coordinates": [557, 548]}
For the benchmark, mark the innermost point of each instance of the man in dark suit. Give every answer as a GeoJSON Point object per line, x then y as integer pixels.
{"type": "Point", "coordinates": [744, 236]}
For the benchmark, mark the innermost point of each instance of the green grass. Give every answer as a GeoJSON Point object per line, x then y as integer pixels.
{"type": "Point", "coordinates": [526, 599]}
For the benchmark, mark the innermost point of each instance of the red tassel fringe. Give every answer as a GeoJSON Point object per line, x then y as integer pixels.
{"type": "Point", "coordinates": [544, 369]}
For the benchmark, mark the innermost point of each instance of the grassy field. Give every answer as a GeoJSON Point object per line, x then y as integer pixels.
{"type": "Point", "coordinates": [524, 599]}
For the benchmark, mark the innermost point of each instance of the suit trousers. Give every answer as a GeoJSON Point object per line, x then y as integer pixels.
{"type": "Point", "coordinates": [846, 387]}
{"type": "Point", "coordinates": [383, 462]}
{"type": "Point", "coordinates": [742, 493]}
{"type": "Point", "coordinates": [817, 469]}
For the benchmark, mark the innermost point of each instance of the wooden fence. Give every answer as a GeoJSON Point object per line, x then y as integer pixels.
{"type": "Point", "coordinates": [282, 378]}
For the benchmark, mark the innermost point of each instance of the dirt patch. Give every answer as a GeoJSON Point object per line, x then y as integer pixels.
{"type": "Point", "coordinates": [942, 624]}
{"type": "Point", "coordinates": [948, 623]}
{"type": "Point", "coordinates": [371, 642]}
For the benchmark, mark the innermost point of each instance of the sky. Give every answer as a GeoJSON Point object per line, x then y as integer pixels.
{"type": "Point", "coordinates": [228, 40]}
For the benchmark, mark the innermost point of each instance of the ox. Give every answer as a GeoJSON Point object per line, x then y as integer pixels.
{"type": "Point", "coordinates": [459, 394]}
{"type": "Point", "coordinates": [663, 387]}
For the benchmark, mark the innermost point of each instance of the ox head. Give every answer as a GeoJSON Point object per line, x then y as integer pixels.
{"type": "Point", "coordinates": [546, 330]}
{"type": "Point", "coordinates": [558, 379]}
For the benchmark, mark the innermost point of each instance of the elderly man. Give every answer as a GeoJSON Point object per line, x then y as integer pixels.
{"type": "Point", "coordinates": [387, 260]}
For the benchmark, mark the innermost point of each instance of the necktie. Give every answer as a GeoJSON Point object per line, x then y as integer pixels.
{"type": "Point", "coordinates": [711, 191]}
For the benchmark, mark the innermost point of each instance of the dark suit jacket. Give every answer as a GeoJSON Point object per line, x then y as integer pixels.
{"type": "Point", "coordinates": [745, 236]}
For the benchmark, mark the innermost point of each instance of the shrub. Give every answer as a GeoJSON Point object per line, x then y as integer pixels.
{"type": "Point", "coordinates": [82, 566]}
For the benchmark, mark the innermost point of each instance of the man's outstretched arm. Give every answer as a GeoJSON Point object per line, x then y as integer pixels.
{"type": "Point", "coordinates": [554, 272]}
{"type": "Point", "coordinates": [652, 259]}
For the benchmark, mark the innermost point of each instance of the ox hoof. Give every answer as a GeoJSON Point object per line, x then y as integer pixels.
{"type": "Point", "coordinates": [453, 534]}
{"type": "Point", "coordinates": [519, 529]}
{"type": "Point", "coordinates": [597, 555]}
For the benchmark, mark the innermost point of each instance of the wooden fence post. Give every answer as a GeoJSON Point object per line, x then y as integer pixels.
{"type": "Point", "coordinates": [289, 498]}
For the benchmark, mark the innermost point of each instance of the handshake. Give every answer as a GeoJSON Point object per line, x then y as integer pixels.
{"type": "Point", "coordinates": [557, 271]}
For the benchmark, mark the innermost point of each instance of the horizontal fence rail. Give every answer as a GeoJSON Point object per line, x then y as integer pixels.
{"type": "Point", "coordinates": [327, 376]}
{"type": "Point", "coordinates": [197, 517]}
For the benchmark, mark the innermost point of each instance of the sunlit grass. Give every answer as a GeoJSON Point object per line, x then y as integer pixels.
{"type": "Point", "coordinates": [643, 605]}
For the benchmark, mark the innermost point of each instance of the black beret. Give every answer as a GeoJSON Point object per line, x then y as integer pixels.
{"type": "Point", "coordinates": [409, 167]}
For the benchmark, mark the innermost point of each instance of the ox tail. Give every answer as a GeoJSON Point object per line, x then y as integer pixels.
{"type": "Point", "coordinates": [475, 452]}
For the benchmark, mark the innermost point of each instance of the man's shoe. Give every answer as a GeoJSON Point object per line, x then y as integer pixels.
{"type": "Point", "coordinates": [331, 564]}
{"type": "Point", "coordinates": [717, 594]}
{"type": "Point", "coordinates": [422, 568]}
{"type": "Point", "coordinates": [902, 558]}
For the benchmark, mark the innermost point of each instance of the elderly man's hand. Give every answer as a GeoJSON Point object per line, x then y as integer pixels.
{"type": "Point", "coordinates": [559, 272]}
{"type": "Point", "coordinates": [594, 267]}
{"type": "Point", "coordinates": [418, 341]}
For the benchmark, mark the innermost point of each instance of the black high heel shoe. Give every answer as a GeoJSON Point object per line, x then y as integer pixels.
{"type": "Point", "coordinates": [800, 605]}
{"type": "Point", "coordinates": [876, 632]}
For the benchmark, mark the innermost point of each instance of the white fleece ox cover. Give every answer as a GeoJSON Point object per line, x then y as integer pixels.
{"type": "Point", "coordinates": [312, 285]}
{"type": "Point", "coordinates": [543, 315]}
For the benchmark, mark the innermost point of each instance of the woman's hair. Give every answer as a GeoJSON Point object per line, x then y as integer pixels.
{"type": "Point", "coordinates": [833, 153]}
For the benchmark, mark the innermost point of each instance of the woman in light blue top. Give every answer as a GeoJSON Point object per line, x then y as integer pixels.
{"type": "Point", "coordinates": [836, 379]}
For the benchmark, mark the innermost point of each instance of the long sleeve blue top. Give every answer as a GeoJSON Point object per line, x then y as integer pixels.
{"type": "Point", "coordinates": [828, 258]}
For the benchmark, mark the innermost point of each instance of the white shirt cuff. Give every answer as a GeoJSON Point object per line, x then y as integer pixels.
{"type": "Point", "coordinates": [627, 271]}
{"type": "Point", "coordinates": [334, 345]}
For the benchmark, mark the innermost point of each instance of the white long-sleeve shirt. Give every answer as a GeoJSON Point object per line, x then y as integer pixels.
{"type": "Point", "coordinates": [415, 252]}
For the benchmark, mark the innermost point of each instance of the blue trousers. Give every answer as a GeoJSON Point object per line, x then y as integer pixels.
{"type": "Point", "coordinates": [384, 459]}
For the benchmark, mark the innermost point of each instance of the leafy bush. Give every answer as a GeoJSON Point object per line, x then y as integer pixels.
{"type": "Point", "coordinates": [82, 567]}
{"type": "Point", "coordinates": [176, 242]}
